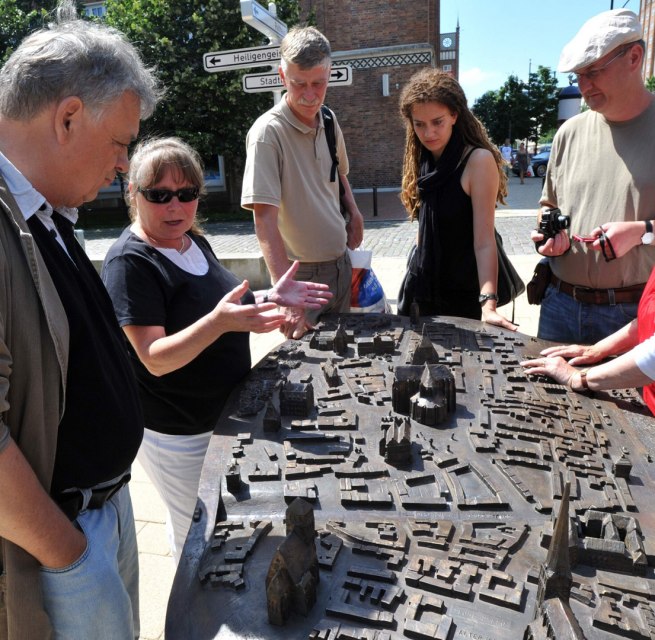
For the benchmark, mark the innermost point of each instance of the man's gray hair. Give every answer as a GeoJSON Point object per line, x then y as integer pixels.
{"type": "Point", "coordinates": [74, 57]}
{"type": "Point", "coordinates": [306, 47]}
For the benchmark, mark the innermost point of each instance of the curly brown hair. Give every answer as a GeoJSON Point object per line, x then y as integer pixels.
{"type": "Point", "coordinates": [432, 85]}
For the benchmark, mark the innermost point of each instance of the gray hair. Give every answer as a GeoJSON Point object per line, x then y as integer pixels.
{"type": "Point", "coordinates": [74, 57]}
{"type": "Point", "coordinates": [306, 47]}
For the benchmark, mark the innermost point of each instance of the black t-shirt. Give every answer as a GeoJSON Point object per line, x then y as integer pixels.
{"type": "Point", "coordinates": [148, 289]}
{"type": "Point", "coordinates": [102, 426]}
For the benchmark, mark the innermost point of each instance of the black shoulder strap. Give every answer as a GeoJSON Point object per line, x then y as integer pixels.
{"type": "Point", "coordinates": [331, 138]}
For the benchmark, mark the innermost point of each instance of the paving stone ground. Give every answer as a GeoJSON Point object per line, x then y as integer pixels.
{"type": "Point", "coordinates": [388, 235]}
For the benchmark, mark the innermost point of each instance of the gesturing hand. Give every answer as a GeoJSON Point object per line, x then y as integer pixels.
{"type": "Point", "coordinates": [288, 292]}
{"type": "Point", "coordinates": [234, 316]}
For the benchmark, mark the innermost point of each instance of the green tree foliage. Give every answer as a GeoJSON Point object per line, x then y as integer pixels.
{"type": "Point", "coordinates": [208, 110]}
{"type": "Point", "coordinates": [520, 110]}
{"type": "Point", "coordinates": [650, 84]}
{"type": "Point", "coordinates": [17, 19]}
{"type": "Point", "coordinates": [543, 102]}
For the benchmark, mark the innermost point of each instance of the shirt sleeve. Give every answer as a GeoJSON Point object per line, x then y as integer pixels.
{"type": "Point", "coordinates": [644, 355]}
{"type": "Point", "coordinates": [136, 290]}
{"type": "Point", "coordinates": [262, 183]}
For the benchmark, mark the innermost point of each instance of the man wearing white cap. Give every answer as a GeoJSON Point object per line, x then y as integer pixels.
{"type": "Point", "coordinates": [602, 174]}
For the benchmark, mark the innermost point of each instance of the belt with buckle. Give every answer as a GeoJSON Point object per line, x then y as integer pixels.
{"type": "Point", "coordinates": [599, 296]}
{"type": "Point", "coordinates": [71, 503]}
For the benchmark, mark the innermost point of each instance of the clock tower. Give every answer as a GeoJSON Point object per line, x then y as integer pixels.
{"type": "Point", "coordinates": [449, 52]}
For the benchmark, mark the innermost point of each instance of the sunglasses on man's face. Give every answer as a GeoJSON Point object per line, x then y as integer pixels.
{"type": "Point", "coordinates": [164, 196]}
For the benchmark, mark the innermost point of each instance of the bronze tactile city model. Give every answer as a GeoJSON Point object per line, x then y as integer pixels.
{"type": "Point", "coordinates": [393, 478]}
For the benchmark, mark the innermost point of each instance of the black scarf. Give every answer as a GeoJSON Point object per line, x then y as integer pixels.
{"type": "Point", "coordinates": [432, 176]}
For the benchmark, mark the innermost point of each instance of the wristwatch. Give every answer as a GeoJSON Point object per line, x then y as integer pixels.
{"type": "Point", "coordinates": [483, 297]}
{"type": "Point", "coordinates": [649, 236]}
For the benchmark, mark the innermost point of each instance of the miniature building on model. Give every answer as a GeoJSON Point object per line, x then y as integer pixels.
{"type": "Point", "coordinates": [293, 576]}
{"type": "Point", "coordinates": [396, 443]}
{"type": "Point", "coordinates": [233, 477]}
{"type": "Point", "coordinates": [271, 421]}
{"type": "Point", "coordinates": [435, 397]}
{"type": "Point", "coordinates": [425, 393]}
{"type": "Point", "coordinates": [424, 352]}
{"type": "Point", "coordinates": [331, 373]}
{"type": "Point", "coordinates": [554, 617]}
{"type": "Point", "coordinates": [610, 541]}
{"type": "Point", "coordinates": [297, 399]}
{"type": "Point", "coordinates": [377, 345]}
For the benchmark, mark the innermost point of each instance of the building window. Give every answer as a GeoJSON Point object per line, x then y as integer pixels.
{"type": "Point", "coordinates": [447, 68]}
{"type": "Point", "coordinates": [95, 10]}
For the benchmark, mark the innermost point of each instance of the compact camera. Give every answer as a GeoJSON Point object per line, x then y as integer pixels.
{"type": "Point", "coordinates": [552, 222]}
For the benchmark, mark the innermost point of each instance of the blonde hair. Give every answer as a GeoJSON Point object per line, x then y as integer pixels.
{"type": "Point", "coordinates": [153, 158]}
{"type": "Point", "coordinates": [432, 85]}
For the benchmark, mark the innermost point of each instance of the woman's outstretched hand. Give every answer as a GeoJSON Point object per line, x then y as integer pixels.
{"type": "Point", "coordinates": [231, 315]}
{"type": "Point", "coordinates": [288, 292]}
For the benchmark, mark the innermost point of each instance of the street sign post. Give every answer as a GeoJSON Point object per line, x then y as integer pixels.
{"type": "Point", "coordinates": [258, 82]}
{"type": "Point", "coordinates": [241, 58]}
{"type": "Point", "coordinates": [261, 19]}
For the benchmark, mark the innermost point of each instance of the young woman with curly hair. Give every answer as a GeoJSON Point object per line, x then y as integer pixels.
{"type": "Point", "coordinates": [452, 178]}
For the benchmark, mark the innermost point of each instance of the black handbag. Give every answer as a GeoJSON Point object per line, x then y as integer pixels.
{"type": "Point", "coordinates": [510, 285]}
{"type": "Point", "coordinates": [540, 281]}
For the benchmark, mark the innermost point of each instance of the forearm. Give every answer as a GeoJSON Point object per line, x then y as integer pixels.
{"type": "Point", "coordinates": [162, 354]}
{"type": "Point", "coordinates": [29, 517]}
{"type": "Point", "coordinates": [620, 341]}
{"type": "Point", "coordinates": [620, 373]}
{"type": "Point", "coordinates": [270, 241]}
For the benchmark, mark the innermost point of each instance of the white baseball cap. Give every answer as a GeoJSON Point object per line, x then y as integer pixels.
{"type": "Point", "coordinates": [598, 36]}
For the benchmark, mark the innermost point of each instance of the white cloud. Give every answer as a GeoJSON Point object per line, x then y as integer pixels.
{"type": "Point", "coordinates": [476, 81]}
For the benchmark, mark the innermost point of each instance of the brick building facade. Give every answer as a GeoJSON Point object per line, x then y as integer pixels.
{"type": "Point", "coordinates": [647, 19]}
{"type": "Point", "coordinates": [396, 38]}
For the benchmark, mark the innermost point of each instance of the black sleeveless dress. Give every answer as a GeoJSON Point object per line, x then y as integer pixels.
{"type": "Point", "coordinates": [450, 275]}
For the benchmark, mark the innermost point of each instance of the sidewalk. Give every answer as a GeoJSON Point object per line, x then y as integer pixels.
{"type": "Point", "coordinates": [390, 237]}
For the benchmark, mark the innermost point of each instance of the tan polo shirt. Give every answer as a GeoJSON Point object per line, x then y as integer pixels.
{"type": "Point", "coordinates": [288, 166]}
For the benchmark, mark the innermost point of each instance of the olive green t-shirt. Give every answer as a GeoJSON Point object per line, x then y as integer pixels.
{"type": "Point", "coordinates": [601, 171]}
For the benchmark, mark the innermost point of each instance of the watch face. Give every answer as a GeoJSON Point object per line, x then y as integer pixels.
{"type": "Point", "coordinates": [447, 42]}
{"type": "Point", "coordinates": [648, 238]}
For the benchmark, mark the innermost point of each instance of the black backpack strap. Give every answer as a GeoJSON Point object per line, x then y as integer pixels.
{"type": "Point", "coordinates": [331, 138]}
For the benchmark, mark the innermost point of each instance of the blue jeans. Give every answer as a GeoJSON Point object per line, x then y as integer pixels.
{"type": "Point", "coordinates": [562, 319]}
{"type": "Point", "coordinates": [98, 595]}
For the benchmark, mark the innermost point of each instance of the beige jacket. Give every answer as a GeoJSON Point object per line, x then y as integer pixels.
{"type": "Point", "coordinates": [33, 362]}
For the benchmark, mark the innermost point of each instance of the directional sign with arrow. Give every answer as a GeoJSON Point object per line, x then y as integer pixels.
{"type": "Point", "coordinates": [259, 18]}
{"type": "Point", "coordinates": [241, 58]}
{"type": "Point", "coordinates": [257, 82]}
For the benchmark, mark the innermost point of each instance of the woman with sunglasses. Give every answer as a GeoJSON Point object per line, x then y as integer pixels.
{"type": "Point", "coordinates": [186, 319]}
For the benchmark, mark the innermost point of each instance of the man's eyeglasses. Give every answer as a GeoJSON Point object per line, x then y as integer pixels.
{"type": "Point", "coordinates": [164, 196]}
{"type": "Point", "coordinates": [594, 73]}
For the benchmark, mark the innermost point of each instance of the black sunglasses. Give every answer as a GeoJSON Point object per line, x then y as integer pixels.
{"type": "Point", "coordinates": [164, 196]}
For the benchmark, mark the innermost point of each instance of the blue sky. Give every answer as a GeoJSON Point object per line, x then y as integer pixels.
{"type": "Point", "coordinates": [499, 38]}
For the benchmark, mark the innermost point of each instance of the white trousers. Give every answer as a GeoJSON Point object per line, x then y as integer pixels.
{"type": "Point", "coordinates": [173, 464]}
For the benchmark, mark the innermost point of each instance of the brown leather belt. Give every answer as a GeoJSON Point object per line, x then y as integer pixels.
{"type": "Point", "coordinates": [599, 296]}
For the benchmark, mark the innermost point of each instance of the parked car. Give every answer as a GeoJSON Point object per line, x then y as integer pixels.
{"type": "Point", "coordinates": [538, 161]}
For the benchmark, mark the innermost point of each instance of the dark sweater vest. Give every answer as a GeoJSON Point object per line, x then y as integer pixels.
{"type": "Point", "coordinates": [102, 425]}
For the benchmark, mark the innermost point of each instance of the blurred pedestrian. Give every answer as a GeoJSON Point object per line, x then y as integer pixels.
{"type": "Point", "coordinates": [523, 161]}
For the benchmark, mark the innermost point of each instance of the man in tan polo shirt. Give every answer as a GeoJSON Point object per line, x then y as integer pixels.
{"type": "Point", "coordinates": [287, 182]}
